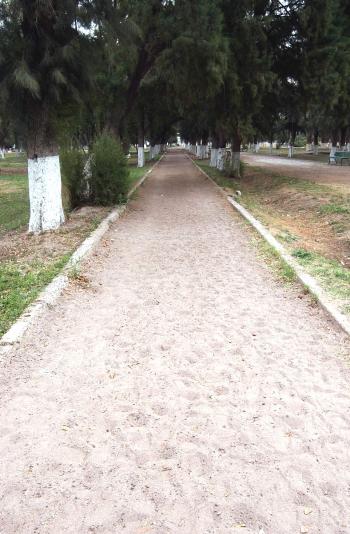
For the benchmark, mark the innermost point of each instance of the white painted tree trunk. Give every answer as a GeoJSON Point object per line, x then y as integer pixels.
{"type": "Point", "coordinates": [45, 194]}
{"type": "Point", "coordinates": [235, 163]}
{"type": "Point", "coordinates": [205, 151]}
{"type": "Point", "coordinates": [308, 147]}
{"type": "Point", "coordinates": [220, 162]}
{"type": "Point", "coordinates": [140, 156]}
{"type": "Point", "coordinates": [256, 148]}
{"type": "Point", "coordinates": [271, 148]}
{"type": "Point", "coordinates": [151, 152]}
{"type": "Point", "coordinates": [314, 149]}
{"type": "Point", "coordinates": [333, 151]}
{"type": "Point", "coordinates": [290, 151]}
{"type": "Point", "coordinates": [348, 147]}
{"type": "Point", "coordinates": [213, 157]}
{"type": "Point", "coordinates": [2, 153]}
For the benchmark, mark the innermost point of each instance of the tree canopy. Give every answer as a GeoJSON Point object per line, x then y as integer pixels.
{"type": "Point", "coordinates": [219, 70]}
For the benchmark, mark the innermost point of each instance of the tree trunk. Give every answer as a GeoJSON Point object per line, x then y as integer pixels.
{"type": "Point", "coordinates": [204, 149]}
{"type": "Point", "coordinates": [315, 143]}
{"type": "Point", "coordinates": [291, 143]}
{"type": "Point", "coordinates": [308, 146]}
{"type": "Point", "coordinates": [141, 147]}
{"type": "Point", "coordinates": [44, 175]}
{"type": "Point", "coordinates": [220, 159]}
{"type": "Point", "coordinates": [334, 141]}
{"type": "Point", "coordinates": [332, 151]}
{"type": "Point", "coordinates": [213, 157]}
{"type": "Point", "coordinates": [235, 160]}
{"type": "Point", "coordinates": [140, 157]}
{"type": "Point", "coordinates": [45, 195]}
{"type": "Point", "coordinates": [343, 131]}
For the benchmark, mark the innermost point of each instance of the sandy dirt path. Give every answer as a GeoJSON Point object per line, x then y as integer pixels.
{"type": "Point", "coordinates": [307, 170]}
{"type": "Point", "coordinates": [183, 391]}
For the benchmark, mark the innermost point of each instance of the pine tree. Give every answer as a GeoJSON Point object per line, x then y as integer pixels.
{"type": "Point", "coordinates": [42, 67]}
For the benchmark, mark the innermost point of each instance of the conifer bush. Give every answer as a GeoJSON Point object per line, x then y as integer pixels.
{"type": "Point", "coordinates": [73, 177]}
{"type": "Point", "coordinates": [109, 172]}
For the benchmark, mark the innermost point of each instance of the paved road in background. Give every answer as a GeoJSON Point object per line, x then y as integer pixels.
{"type": "Point", "coordinates": [308, 170]}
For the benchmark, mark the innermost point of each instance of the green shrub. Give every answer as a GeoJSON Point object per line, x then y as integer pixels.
{"type": "Point", "coordinates": [73, 177]}
{"type": "Point", "coordinates": [109, 172]}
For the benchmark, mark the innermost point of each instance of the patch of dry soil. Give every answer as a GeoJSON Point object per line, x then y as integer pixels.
{"type": "Point", "coordinates": [19, 245]}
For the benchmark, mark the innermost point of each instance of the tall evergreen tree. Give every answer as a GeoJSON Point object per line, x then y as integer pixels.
{"type": "Point", "coordinates": [42, 67]}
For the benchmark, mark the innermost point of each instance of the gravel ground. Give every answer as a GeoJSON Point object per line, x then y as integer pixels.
{"type": "Point", "coordinates": [182, 389]}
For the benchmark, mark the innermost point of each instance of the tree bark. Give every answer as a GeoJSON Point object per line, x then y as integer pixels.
{"type": "Point", "coordinates": [141, 146]}
{"type": "Point", "coordinates": [315, 143]}
{"type": "Point", "coordinates": [235, 160]}
{"type": "Point", "coordinates": [291, 142]}
{"type": "Point", "coordinates": [308, 146]}
{"type": "Point", "coordinates": [334, 141]}
{"type": "Point", "coordinates": [213, 156]}
{"type": "Point", "coordinates": [214, 151]}
{"type": "Point", "coordinates": [44, 174]}
{"type": "Point", "coordinates": [220, 161]}
{"type": "Point", "coordinates": [343, 131]}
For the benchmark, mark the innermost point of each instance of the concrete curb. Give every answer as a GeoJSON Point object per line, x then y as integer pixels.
{"type": "Point", "coordinates": [54, 289]}
{"type": "Point", "coordinates": [306, 280]}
